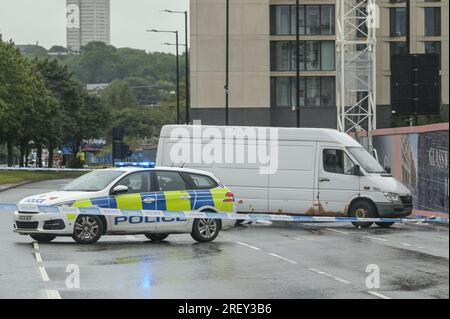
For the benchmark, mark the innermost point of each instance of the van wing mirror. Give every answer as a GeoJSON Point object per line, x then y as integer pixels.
{"type": "Point", "coordinates": [388, 169]}
{"type": "Point", "coordinates": [120, 189]}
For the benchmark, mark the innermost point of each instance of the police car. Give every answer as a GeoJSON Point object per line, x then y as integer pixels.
{"type": "Point", "coordinates": [130, 186]}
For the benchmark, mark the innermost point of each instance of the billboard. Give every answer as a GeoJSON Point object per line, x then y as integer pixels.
{"type": "Point", "coordinates": [420, 161]}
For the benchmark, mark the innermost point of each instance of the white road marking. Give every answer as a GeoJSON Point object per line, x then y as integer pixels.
{"type": "Point", "coordinates": [378, 295]}
{"type": "Point", "coordinates": [330, 276]}
{"type": "Point", "coordinates": [249, 246]}
{"type": "Point", "coordinates": [38, 257]}
{"type": "Point", "coordinates": [44, 274]}
{"type": "Point", "coordinates": [303, 238]}
{"type": "Point", "coordinates": [53, 294]}
{"type": "Point", "coordinates": [338, 231]}
{"type": "Point", "coordinates": [35, 246]}
{"type": "Point", "coordinates": [405, 244]}
{"type": "Point", "coordinates": [376, 238]}
{"type": "Point", "coordinates": [283, 258]}
{"type": "Point", "coordinates": [444, 237]}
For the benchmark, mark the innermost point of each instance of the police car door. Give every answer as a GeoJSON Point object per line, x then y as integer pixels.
{"type": "Point", "coordinates": [172, 195]}
{"type": "Point", "coordinates": [138, 197]}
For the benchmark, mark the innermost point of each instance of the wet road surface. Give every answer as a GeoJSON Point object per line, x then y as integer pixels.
{"type": "Point", "coordinates": [250, 261]}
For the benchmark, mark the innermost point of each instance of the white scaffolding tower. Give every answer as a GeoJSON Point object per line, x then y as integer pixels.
{"type": "Point", "coordinates": [356, 65]}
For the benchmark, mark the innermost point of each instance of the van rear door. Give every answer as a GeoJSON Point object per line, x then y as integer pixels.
{"type": "Point", "coordinates": [337, 183]}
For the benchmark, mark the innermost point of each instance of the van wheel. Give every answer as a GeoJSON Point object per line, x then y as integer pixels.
{"type": "Point", "coordinates": [362, 209]}
{"type": "Point", "coordinates": [205, 230]}
{"type": "Point", "coordinates": [43, 238]}
{"type": "Point", "coordinates": [156, 237]}
{"type": "Point", "coordinates": [87, 229]}
{"type": "Point", "coordinates": [384, 225]}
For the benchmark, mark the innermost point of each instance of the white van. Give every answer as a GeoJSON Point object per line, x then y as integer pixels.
{"type": "Point", "coordinates": [320, 172]}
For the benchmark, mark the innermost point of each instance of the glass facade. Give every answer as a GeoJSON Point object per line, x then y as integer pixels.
{"type": "Point", "coordinates": [313, 55]}
{"type": "Point", "coordinates": [433, 21]}
{"type": "Point", "coordinates": [398, 48]}
{"type": "Point", "coordinates": [398, 22]}
{"type": "Point", "coordinates": [312, 20]}
{"type": "Point", "coordinates": [315, 91]}
{"type": "Point", "coordinates": [433, 47]}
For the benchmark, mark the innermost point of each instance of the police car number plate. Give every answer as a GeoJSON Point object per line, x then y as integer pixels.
{"type": "Point", "coordinates": [25, 217]}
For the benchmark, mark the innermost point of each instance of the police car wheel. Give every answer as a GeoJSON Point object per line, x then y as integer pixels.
{"type": "Point", "coordinates": [156, 237]}
{"type": "Point", "coordinates": [205, 230]}
{"type": "Point", "coordinates": [87, 229]}
{"type": "Point", "coordinates": [41, 238]}
{"type": "Point", "coordinates": [362, 209]}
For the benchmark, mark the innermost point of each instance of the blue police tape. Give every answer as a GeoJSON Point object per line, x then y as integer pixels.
{"type": "Point", "coordinates": [208, 215]}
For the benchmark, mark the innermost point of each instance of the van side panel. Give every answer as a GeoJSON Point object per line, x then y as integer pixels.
{"type": "Point", "coordinates": [291, 188]}
{"type": "Point", "coordinates": [243, 179]}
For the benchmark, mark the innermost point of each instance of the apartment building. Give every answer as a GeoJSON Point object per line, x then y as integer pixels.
{"type": "Point", "coordinates": [263, 58]}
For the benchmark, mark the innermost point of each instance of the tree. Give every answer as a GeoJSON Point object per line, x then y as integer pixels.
{"type": "Point", "coordinates": [78, 116]}
{"type": "Point", "coordinates": [118, 95]}
{"type": "Point", "coordinates": [24, 100]}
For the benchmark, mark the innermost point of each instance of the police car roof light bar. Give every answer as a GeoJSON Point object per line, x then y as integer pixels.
{"type": "Point", "coordinates": [136, 164]}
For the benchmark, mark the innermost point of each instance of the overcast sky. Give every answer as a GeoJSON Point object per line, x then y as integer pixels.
{"type": "Point", "coordinates": [44, 21]}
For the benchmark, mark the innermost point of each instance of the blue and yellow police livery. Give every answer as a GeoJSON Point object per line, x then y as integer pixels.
{"type": "Point", "coordinates": [128, 187]}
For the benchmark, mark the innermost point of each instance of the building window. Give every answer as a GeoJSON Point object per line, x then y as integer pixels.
{"type": "Point", "coordinates": [280, 23]}
{"type": "Point", "coordinates": [433, 47]}
{"type": "Point", "coordinates": [313, 55]}
{"type": "Point", "coordinates": [281, 56]}
{"type": "Point", "coordinates": [327, 55]}
{"type": "Point", "coordinates": [283, 92]}
{"type": "Point", "coordinates": [398, 22]}
{"type": "Point", "coordinates": [327, 20]}
{"type": "Point", "coordinates": [312, 19]}
{"type": "Point", "coordinates": [432, 21]}
{"type": "Point", "coordinates": [327, 91]}
{"type": "Point", "coordinates": [314, 91]}
{"type": "Point", "coordinates": [399, 48]}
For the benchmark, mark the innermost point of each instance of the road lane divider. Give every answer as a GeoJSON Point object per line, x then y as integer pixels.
{"type": "Point", "coordinates": [43, 273]}
{"type": "Point", "coordinates": [31, 208]}
{"type": "Point", "coordinates": [379, 295]}
{"type": "Point", "coordinates": [53, 294]}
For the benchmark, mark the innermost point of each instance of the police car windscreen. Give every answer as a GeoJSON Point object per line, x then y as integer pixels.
{"type": "Point", "coordinates": [92, 182]}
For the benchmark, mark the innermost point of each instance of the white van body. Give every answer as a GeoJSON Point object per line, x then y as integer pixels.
{"type": "Point", "coordinates": [303, 183]}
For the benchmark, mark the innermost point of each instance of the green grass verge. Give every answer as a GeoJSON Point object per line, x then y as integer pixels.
{"type": "Point", "coordinates": [14, 177]}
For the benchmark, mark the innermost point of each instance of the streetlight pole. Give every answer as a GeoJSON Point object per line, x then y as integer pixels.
{"type": "Point", "coordinates": [186, 56]}
{"type": "Point", "coordinates": [297, 33]}
{"type": "Point", "coordinates": [178, 70]}
{"type": "Point", "coordinates": [227, 58]}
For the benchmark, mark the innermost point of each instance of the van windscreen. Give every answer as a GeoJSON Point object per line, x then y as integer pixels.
{"type": "Point", "coordinates": [365, 160]}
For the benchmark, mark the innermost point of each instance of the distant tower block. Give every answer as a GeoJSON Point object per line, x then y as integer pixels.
{"type": "Point", "coordinates": [87, 21]}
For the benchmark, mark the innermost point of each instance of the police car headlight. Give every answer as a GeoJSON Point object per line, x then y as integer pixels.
{"type": "Point", "coordinates": [66, 204]}
{"type": "Point", "coordinates": [393, 197]}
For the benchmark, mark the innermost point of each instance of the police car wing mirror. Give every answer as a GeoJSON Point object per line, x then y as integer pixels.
{"type": "Point", "coordinates": [120, 189]}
